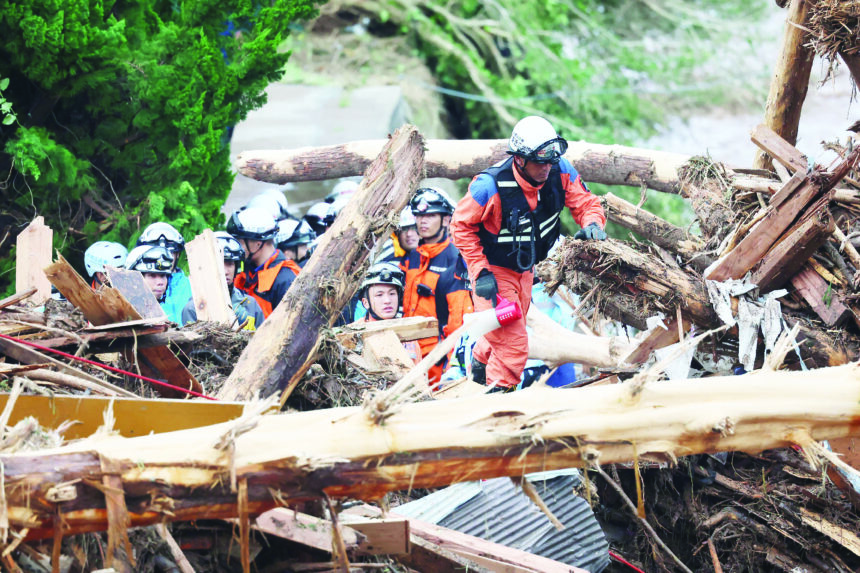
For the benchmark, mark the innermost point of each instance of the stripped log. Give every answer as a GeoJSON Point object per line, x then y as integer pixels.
{"type": "Point", "coordinates": [341, 452]}
{"type": "Point", "coordinates": [790, 79]}
{"type": "Point", "coordinates": [455, 159]}
{"type": "Point", "coordinates": [285, 346]}
{"type": "Point", "coordinates": [554, 344]}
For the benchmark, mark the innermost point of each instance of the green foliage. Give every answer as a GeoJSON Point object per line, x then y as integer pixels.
{"type": "Point", "coordinates": [123, 110]}
{"type": "Point", "coordinates": [597, 69]}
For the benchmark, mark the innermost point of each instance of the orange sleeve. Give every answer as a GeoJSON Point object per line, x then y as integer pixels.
{"type": "Point", "coordinates": [480, 206]}
{"type": "Point", "coordinates": [459, 303]}
{"type": "Point", "coordinates": [584, 206]}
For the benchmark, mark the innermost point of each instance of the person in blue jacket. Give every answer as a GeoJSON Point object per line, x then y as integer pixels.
{"type": "Point", "coordinates": [178, 286]}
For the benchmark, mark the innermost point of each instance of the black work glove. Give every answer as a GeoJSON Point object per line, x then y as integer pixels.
{"type": "Point", "coordinates": [591, 232]}
{"type": "Point", "coordinates": [486, 287]}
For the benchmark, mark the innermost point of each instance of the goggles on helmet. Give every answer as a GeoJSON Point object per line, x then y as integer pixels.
{"type": "Point", "coordinates": [156, 263]}
{"type": "Point", "coordinates": [549, 152]}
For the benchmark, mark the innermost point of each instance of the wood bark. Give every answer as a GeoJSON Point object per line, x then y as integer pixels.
{"type": "Point", "coordinates": [634, 286]}
{"type": "Point", "coordinates": [455, 159]}
{"type": "Point", "coordinates": [285, 346]}
{"type": "Point", "coordinates": [659, 231]}
{"type": "Point", "coordinates": [853, 63]}
{"type": "Point", "coordinates": [790, 80]}
{"type": "Point", "coordinates": [341, 452]}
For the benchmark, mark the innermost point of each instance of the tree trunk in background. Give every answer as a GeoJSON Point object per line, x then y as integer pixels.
{"type": "Point", "coordinates": [455, 159]}
{"type": "Point", "coordinates": [790, 81]}
{"type": "Point", "coordinates": [285, 346]}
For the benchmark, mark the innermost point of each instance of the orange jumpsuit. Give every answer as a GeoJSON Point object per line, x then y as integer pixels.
{"type": "Point", "coordinates": [505, 350]}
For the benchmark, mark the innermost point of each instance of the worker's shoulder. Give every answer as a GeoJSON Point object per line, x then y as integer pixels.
{"type": "Point", "coordinates": [566, 167]}
{"type": "Point", "coordinates": [483, 188]}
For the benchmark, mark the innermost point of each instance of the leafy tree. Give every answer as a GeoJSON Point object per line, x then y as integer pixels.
{"type": "Point", "coordinates": [116, 114]}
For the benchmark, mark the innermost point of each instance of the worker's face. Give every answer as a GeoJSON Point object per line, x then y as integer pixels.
{"type": "Point", "coordinates": [229, 271]}
{"type": "Point", "coordinates": [101, 278]}
{"type": "Point", "coordinates": [157, 283]}
{"type": "Point", "coordinates": [408, 238]}
{"type": "Point", "coordinates": [382, 300]}
{"type": "Point", "coordinates": [430, 226]}
{"type": "Point", "coordinates": [537, 171]}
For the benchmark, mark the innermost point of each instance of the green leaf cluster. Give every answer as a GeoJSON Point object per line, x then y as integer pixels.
{"type": "Point", "coordinates": [122, 110]}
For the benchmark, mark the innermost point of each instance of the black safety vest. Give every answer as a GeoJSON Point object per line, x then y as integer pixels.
{"type": "Point", "coordinates": [526, 236]}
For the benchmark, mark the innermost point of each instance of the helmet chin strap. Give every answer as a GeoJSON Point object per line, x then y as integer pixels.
{"type": "Point", "coordinates": [526, 176]}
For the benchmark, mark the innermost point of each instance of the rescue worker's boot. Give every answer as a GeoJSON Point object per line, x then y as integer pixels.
{"type": "Point", "coordinates": [479, 371]}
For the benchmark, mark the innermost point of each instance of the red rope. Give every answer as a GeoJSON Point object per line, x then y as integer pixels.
{"type": "Point", "coordinates": [620, 559]}
{"type": "Point", "coordinates": [106, 367]}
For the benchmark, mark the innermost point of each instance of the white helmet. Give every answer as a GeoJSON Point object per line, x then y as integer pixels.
{"type": "Point", "coordinates": [316, 217]}
{"type": "Point", "coordinates": [104, 253]}
{"type": "Point", "coordinates": [272, 201]}
{"type": "Point", "coordinates": [252, 223]}
{"type": "Point", "coordinates": [286, 228]}
{"type": "Point", "coordinates": [163, 235]}
{"type": "Point", "coordinates": [334, 209]}
{"type": "Point", "coordinates": [407, 219]}
{"type": "Point", "coordinates": [150, 259]}
{"type": "Point", "coordinates": [344, 188]}
{"type": "Point", "coordinates": [534, 139]}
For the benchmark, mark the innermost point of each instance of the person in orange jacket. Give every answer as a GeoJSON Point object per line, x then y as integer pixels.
{"type": "Point", "coordinates": [381, 294]}
{"type": "Point", "coordinates": [435, 274]}
{"type": "Point", "coordinates": [506, 224]}
{"type": "Point", "coordinates": [268, 274]}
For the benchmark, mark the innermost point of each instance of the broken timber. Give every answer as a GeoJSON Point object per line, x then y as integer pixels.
{"type": "Point", "coordinates": [32, 254]}
{"type": "Point", "coordinates": [208, 286]}
{"type": "Point", "coordinates": [285, 346]}
{"type": "Point", "coordinates": [455, 159]}
{"type": "Point", "coordinates": [185, 475]}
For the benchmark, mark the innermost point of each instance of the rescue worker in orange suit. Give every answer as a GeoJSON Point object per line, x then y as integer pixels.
{"type": "Point", "coordinates": [506, 224]}
{"type": "Point", "coordinates": [268, 274]}
{"type": "Point", "coordinates": [435, 273]}
{"type": "Point", "coordinates": [381, 295]}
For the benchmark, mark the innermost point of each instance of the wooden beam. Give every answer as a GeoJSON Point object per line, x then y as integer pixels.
{"type": "Point", "coordinates": [18, 297]}
{"type": "Point", "coordinates": [778, 148]}
{"type": "Point", "coordinates": [33, 250]}
{"type": "Point", "coordinates": [384, 535]}
{"type": "Point", "coordinates": [426, 556]}
{"type": "Point", "coordinates": [790, 79]}
{"type": "Point", "coordinates": [285, 346]}
{"type": "Point", "coordinates": [344, 453]}
{"type": "Point", "coordinates": [385, 351]}
{"type": "Point", "coordinates": [792, 251]}
{"type": "Point", "coordinates": [305, 529]}
{"type": "Point", "coordinates": [456, 159]}
{"type": "Point", "coordinates": [208, 285]}
{"type": "Point", "coordinates": [824, 301]}
{"type": "Point", "coordinates": [410, 328]}
{"type": "Point", "coordinates": [763, 235]}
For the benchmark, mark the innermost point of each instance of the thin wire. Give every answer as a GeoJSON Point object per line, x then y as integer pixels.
{"type": "Point", "coordinates": [106, 367]}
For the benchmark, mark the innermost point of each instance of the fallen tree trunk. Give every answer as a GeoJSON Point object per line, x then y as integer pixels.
{"type": "Point", "coordinates": [285, 346]}
{"type": "Point", "coordinates": [455, 159]}
{"type": "Point", "coordinates": [635, 286]}
{"type": "Point", "coordinates": [790, 80]}
{"type": "Point", "coordinates": [341, 452]}
{"type": "Point", "coordinates": [554, 344]}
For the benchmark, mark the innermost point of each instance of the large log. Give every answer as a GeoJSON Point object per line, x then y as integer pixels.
{"type": "Point", "coordinates": [455, 159]}
{"type": "Point", "coordinates": [554, 344]}
{"type": "Point", "coordinates": [790, 79]}
{"type": "Point", "coordinates": [285, 346]}
{"type": "Point", "coordinates": [341, 452]}
{"type": "Point", "coordinates": [636, 285]}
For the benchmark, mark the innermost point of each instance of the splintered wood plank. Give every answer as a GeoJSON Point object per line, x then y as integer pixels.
{"type": "Point", "coordinates": [657, 338]}
{"type": "Point", "coordinates": [32, 255]}
{"type": "Point", "coordinates": [133, 287]}
{"type": "Point", "coordinates": [27, 355]}
{"type": "Point", "coordinates": [162, 363]}
{"type": "Point", "coordinates": [844, 537]}
{"type": "Point", "coordinates": [108, 305]}
{"type": "Point", "coordinates": [18, 297]}
{"type": "Point", "coordinates": [787, 189]}
{"type": "Point", "coordinates": [823, 300]}
{"type": "Point", "coordinates": [762, 236]}
{"type": "Point", "coordinates": [410, 328]}
{"type": "Point", "coordinates": [305, 529]}
{"type": "Point", "coordinates": [385, 351]}
{"type": "Point", "coordinates": [101, 307]}
{"type": "Point", "coordinates": [784, 260]}
{"type": "Point", "coordinates": [778, 148]}
{"type": "Point", "coordinates": [208, 285]}
{"type": "Point", "coordinates": [384, 536]}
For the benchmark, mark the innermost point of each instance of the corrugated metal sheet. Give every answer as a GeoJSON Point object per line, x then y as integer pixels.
{"type": "Point", "coordinates": [498, 511]}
